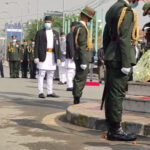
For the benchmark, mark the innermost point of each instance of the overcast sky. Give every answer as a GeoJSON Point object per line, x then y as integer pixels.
{"type": "Point", "coordinates": [15, 10]}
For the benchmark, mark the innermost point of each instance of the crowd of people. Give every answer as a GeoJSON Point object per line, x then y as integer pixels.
{"type": "Point", "coordinates": [22, 57]}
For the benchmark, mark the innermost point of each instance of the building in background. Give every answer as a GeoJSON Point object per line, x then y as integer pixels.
{"type": "Point", "coordinates": [54, 13]}
{"type": "Point", "coordinates": [14, 29]}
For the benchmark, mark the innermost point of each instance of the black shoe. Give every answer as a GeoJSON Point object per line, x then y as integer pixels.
{"type": "Point", "coordinates": [24, 77]}
{"type": "Point", "coordinates": [119, 135]}
{"type": "Point", "coordinates": [32, 77]}
{"type": "Point", "coordinates": [41, 95]}
{"type": "Point", "coordinates": [53, 95]}
{"type": "Point", "coordinates": [56, 79]}
{"type": "Point", "coordinates": [69, 89]}
{"type": "Point", "coordinates": [100, 82]}
{"type": "Point", "coordinates": [76, 100]}
{"type": "Point", "coordinates": [61, 83]}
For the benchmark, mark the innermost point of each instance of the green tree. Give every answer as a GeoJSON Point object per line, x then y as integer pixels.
{"type": "Point", "coordinates": [32, 29]}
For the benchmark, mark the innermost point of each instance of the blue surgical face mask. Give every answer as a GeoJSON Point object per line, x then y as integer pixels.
{"type": "Point", "coordinates": [134, 5]}
{"type": "Point", "coordinates": [89, 24]}
{"type": "Point", "coordinates": [63, 39]}
{"type": "Point", "coordinates": [48, 26]}
{"type": "Point", "coordinates": [14, 40]}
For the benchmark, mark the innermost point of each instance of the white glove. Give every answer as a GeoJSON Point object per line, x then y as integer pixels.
{"type": "Point", "coordinates": [36, 60]}
{"type": "Point", "coordinates": [126, 70]}
{"type": "Point", "coordinates": [64, 53]}
{"type": "Point", "coordinates": [134, 67]}
{"type": "Point", "coordinates": [83, 66]}
{"type": "Point", "coordinates": [58, 61]}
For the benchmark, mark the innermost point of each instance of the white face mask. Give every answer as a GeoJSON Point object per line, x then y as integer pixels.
{"type": "Point", "coordinates": [63, 39]}
{"type": "Point", "coordinates": [14, 40]}
{"type": "Point", "coordinates": [134, 5]}
{"type": "Point", "coordinates": [33, 43]}
{"type": "Point", "coordinates": [48, 26]}
{"type": "Point", "coordinates": [89, 24]}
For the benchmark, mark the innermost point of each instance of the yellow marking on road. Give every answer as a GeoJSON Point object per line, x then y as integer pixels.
{"type": "Point", "coordinates": [74, 106]}
{"type": "Point", "coordinates": [51, 119]}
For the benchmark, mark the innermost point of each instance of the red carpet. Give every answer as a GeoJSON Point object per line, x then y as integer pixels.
{"type": "Point", "coordinates": [146, 98]}
{"type": "Point", "coordinates": [92, 84]}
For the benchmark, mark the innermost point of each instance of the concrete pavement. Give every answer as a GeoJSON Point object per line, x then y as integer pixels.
{"type": "Point", "coordinates": [30, 123]}
{"type": "Point", "coordinates": [89, 115]}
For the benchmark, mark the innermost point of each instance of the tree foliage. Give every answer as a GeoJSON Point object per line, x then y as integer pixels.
{"type": "Point", "coordinates": [32, 29]}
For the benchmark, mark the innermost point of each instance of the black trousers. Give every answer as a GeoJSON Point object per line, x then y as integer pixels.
{"type": "Point", "coordinates": [79, 79]}
{"type": "Point", "coordinates": [1, 68]}
{"type": "Point", "coordinates": [24, 69]}
{"type": "Point", "coordinates": [114, 94]}
{"type": "Point", "coordinates": [14, 69]}
{"type": "Point", "coordinates": [32, 68]}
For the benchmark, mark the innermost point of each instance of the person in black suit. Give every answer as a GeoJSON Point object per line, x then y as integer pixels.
{"type": "Point", "coordinates": [46, 52]}
{"type": "Point", "coordinates": [70, 64]}
{"type": "Point", "coordinates": [1, 63]}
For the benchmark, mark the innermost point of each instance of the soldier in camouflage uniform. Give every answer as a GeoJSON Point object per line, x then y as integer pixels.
{"type": "Point", "coordinates": [13, 56]}
{"type": "Point", "coordinates": [83, 46]}
{"type": "Point", "coordinates": [24, 58]}
{"type": "Point", "coordinates": [146, 9]}
{"type": "Point", "coordinates": [120, 35]}
{"type": "Point", "coordinates": [32, 65]}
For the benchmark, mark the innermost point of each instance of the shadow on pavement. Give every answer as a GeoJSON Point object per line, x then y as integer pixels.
{"type": "Point", "coordinates": [42, 103]}
{"type": "Point", "coordinates": [33, 124]}
{"type": "Point", "coordinates": [15, 94]}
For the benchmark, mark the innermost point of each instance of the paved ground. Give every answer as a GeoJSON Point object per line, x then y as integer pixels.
{"type": "Point", "coordinates": [30, 123]}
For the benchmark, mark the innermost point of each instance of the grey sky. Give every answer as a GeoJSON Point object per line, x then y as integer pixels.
{"type": "Point", "coordinates": [27, 9]}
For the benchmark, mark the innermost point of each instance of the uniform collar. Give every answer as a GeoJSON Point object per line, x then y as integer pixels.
{"type": "Point", "coordinates": [127, 2]}
{"type": "Point", "coordinates": [82, 22]}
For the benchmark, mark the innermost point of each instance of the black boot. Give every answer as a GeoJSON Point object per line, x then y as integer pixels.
{"type": "Point", "coordinates": [119, 135]}
{"type": "Point", "coordinates": [76, 100]}
{"type": "Point", "coordinates": [41, 95]}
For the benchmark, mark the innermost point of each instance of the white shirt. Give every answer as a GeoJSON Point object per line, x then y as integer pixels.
{"type": "Point", "coordinates": [83, 23]}
{"type": "Point", "coordinates": [49, 63]}
{"type": "Point", "coordinates": [50, 39]}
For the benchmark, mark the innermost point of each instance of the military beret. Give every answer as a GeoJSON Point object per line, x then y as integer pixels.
{"type": "Point", "coordinates": [89, 12]}
{"type": "Point", "coordinates": [48, 18]}
{"type": "Point", "coordinates": [146, 7]}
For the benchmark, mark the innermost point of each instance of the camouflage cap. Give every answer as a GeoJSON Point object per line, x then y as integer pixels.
{"type": "Point", "coordinates": [146, 7]}
{"type": "Point", "coordinates": [89, 12]}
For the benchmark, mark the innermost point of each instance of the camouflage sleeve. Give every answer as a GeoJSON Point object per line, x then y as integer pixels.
{"type": "Point", "coordinates": [82, 46]}
{"type": "Point", "coordinates": [8, 52]}
{"type": "Point", "coordinates": [125, 39]}
{"type": "Point", "coordinates": [106, 37]}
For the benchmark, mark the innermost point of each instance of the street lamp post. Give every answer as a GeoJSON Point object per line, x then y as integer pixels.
{"type": "Point", "coordinates": [63, 15]}
{"type": "Point", "coordinates": [5, 37]}
{"type": "Point", "coordinates": [37, 27]}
